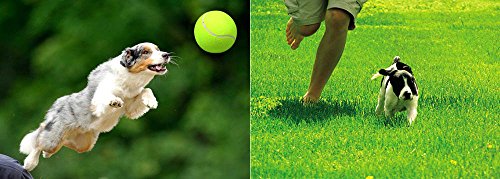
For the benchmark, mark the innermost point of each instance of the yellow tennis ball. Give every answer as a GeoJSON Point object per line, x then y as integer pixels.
{"type": "Point", "coordinates": [215, 32]}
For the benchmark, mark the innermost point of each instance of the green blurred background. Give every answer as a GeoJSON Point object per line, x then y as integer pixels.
{"type": "Point", "coordinates": [200, 129]}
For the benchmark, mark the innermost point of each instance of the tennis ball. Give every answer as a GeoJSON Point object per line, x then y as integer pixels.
{"type": "Point", "coordinates": [215, 32]}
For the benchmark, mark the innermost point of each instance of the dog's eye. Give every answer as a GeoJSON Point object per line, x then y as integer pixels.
{"type": "Point", "coordinates": [145, 52]}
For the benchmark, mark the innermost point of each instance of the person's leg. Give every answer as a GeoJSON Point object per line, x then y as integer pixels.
{"type": "Point", "coordinates": [329, 52]}
{"type": "Point", "coordinates": [305, 19]}
{"type": "Point", "coordinates": [295, 33]}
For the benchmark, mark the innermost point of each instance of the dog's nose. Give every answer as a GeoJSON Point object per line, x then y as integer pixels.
{"type": "Point", "coordinates": [165, 55]}
{"type": "Point", "coordinates": [406, 95]}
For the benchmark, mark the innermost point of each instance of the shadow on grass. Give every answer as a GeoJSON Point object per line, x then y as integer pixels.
{"type": "Point", "coordinates": [399, 120]}
{"type": "Point", "coordinates": [293, 110]}
{"type": "Point", "coordinates": [436, 103]}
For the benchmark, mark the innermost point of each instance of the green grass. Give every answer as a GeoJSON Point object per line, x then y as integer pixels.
{"type": "Point", "coordinates": [453, 49]}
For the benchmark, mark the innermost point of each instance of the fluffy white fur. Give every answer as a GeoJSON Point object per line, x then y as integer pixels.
{"type": "Point", "coordinates": [115, 88]}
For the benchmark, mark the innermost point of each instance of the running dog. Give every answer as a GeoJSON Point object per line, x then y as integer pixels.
{"type": "Point", "coordinates": [398, 90]}
{"type": "Point", "coordinates": [115, 88]}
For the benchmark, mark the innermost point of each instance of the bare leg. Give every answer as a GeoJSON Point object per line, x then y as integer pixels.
{"type": "Point", "coordinates": [329, 52]}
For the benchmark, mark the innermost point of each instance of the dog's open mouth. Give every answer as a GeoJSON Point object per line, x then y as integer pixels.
{"type": "Point", "coordinates": [158, 67]}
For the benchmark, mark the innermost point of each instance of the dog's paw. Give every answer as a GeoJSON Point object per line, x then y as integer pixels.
{"type": "Point", "coordinates": [116, 102]}
{"type": "Point", "coordinates": [97, 110]}
{"type": "Point", "coordinates": [379, 110]}
{"type": "Point", "coordinates": [99, 107]}
{"type": "Point", "coordinates": [389, 113]}
{"type": "Point", "coordinates": [149, 99]}
{"type": "Point", "coordinates": [150, 102]}
{"type": "Point", "coordinates": [29, 166]}
{"type": "Point", "coordinates": [30, 163]}
{"type": "Point", "coordinates": [46, 154]}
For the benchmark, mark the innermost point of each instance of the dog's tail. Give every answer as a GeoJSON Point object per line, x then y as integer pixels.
{"type": "Point", "coordinates": [29, 141]}
{"type": "Point", "coordinates": [397, 59]}
{"type": "Point", "coordinates": [376, 75]}
{"type": "Point", "coordinates": [381, 72]}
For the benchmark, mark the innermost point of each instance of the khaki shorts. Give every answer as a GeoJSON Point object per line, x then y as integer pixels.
{"type": "Point", "coordinates": [307, 12]}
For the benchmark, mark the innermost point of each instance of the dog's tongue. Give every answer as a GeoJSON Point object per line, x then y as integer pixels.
{"type": "Point", "coordinates": [158, 67]}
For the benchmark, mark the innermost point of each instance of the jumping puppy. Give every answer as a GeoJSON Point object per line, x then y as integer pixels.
{"type": "Point", "coordinates": [398, 90]}
{"type": "Point", "coordinates": [115, 88]}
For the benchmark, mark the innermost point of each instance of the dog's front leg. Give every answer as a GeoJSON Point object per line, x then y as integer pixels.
{"type": "Point", "coordinates": [104, 98]}
{"type": "Point", "coordinates": [149, 99]}
{"type": "Point", "coordinates": [389, 113]}
{"type": "Point", "coordinates": [141, 104]}
{"type": "Point", "coordinates": [380, 106]}
{"type": "Point", "coordinates": [389, 105]}
{"type": "Point", "coordinates": [412, 114]}
{"type": "Point", "coordinates": [412, 111]}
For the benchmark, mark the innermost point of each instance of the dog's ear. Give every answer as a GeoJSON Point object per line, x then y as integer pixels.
{"type": "Point", "coordinates": [411, 82]}
{"type": "Point", "coordinates": [402, 66]}
{"type": "Point", "coordinates": [396, 59]}
{"type": "Point", "coordinates": [408, 69]}
{"type": "Point", "coordinates": [413, 85]}
{"type": "Point", "coordinates": [384, 72]}
{"type": "Point", "coordinates": [129, 57]}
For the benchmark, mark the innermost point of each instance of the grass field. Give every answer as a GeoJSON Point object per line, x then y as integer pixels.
{"type": "Point", "coordinates": [453, 49]}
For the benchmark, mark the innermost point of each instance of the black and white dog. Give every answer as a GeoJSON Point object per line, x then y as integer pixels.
{"type": "Point", "coordinates": [398, 90]}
